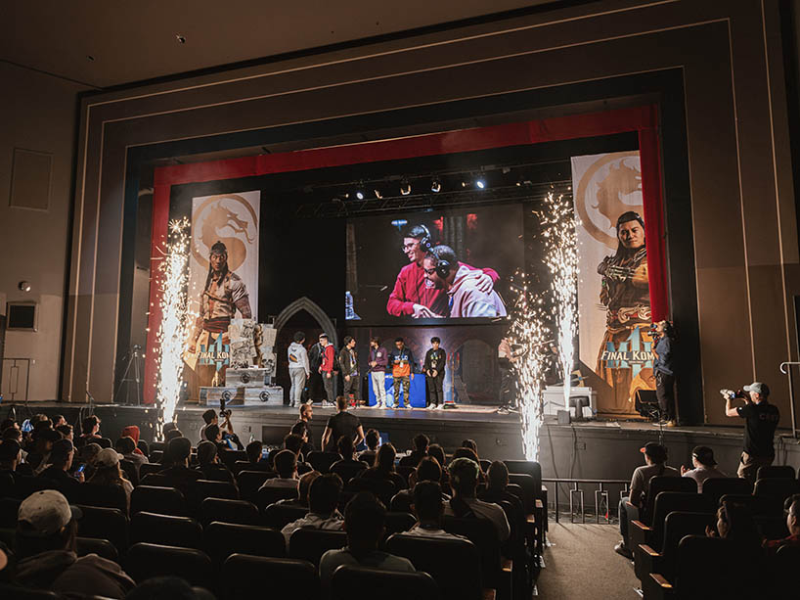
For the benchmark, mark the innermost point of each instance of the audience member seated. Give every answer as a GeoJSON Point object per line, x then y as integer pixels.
{"type": "Point", "coordinates": [178, 472]}
{"type": "Point", "coordinates": [437, 452]}
{"type": "Point", "coordinates": [428, 470]}
{"type": "Point", "coordinates": [10, 455]}
{"type": "Point", "coordinates": [88, 457]}
{"type": "Point", "coordinates": [209, 464]}
{"type": "Point", "coordinates": [61, 461]}
{"type": "Point", "coordinates": [464, 473]}
{"type": "Point", "coordinates": [66, 431]}
{"type": "Point", "coordinates": [44, 439]}
{"type": "Point", "coordinates": [253, 451]}
{"type": "Point", "coordinates": [126, 446]}
{"type": "Point", "coordinates": [209, 418]}
{"type": "Point", "coordinates": [286, 467]}
{"type": "Point", "coordinates": [303, 488]}
{"type": "Point", "coordinates": [323, 498]}
{"type": "Point", "coordinates": [306, 415]}
{"type": "Point", "coordinates": [45, 548]}
{"type": "Point", "coordinates": [90, 431]}
{"type": "Point", "coordinates": [346, 450]}
{"type": "Point", "coordinates": [792, 524]}
{"type": "Point", "coordinates": [172, 434]}
{"type": "Point", "coordinates": [365, 524]}
{"type": "Point", "coordinates": [109, 473]}
{"type": "Point", "coordinates": [735, 523]}
{"type": "Point", "coordinates": [419, 452]}
{"type": "Point", "coordinates": [168, 587]}
{"type": "Point", "coordinates": [295, 443]}
{"type": "Point", "coordinates": [428, 507]}
{"type": "Point", "coordinates": [132, 431]}
{"type": "Point", "coordinates": [655, 457]}
{"type": "Point", "coordinates": [58, 421]}
{"type": "Point", "coordinates": [705, 467]}
{"type": "Point", "coordinates": [496, 487]}
{"type": "Point", "coordinates": [384, 468]}
{"type": "Point", "coordinates": [372, 439]}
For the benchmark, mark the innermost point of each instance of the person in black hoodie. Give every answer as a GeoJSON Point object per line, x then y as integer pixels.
{"type": "Point", "coordinates": [45, 546]}
{"type": "Point", "coordinates": [348, 364]}
{"type": "Point", "coordinates": [435, 361]}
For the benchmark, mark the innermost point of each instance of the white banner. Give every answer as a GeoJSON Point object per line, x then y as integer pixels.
{"type": "Point", "coordinates": [613, 306]}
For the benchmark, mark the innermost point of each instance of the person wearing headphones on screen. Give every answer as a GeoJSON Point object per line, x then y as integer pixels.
{"type": "Point", "coordinates": [466, 297]}
{"type": "Point", "coordinates": [413, 295]}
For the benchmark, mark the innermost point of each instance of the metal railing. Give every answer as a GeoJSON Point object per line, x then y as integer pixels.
{"type": "Point", "coordinates": [13, 382]}
{"type": "Point", "coordinates": [600, 495]}
{"type": "Point", "coordinates": [786, 370]}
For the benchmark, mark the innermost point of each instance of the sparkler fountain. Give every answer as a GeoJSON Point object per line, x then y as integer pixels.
{"type": "Point", "coordinates": [173, 332]}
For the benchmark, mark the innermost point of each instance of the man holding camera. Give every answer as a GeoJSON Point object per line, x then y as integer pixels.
{"type": "Point", "coordinates": [761, 420]}
{"type": "Point", "coordinates": [225, 431]}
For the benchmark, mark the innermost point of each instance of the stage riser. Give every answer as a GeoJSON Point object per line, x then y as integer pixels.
{"type": "Point", "coordinates": [579, 452]}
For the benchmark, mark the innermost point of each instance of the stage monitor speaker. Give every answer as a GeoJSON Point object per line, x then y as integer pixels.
{"type": "Point", "coordinates": [646, 403]}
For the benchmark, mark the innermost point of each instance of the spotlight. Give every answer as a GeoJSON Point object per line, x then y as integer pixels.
{"type": "Point", "coordinates": [24, 286]}
{"type": "Point", "coordinates": [378, 194]}
{"type": "Point", "coordinates": [360, 195]}
{"type": "Point", "coordinates": [360, 190]}
{"type": "Point", "coordinates": [436, 185]}
{"type": "Point", "coordinates": [405, 186]}
{"type": "Point", "coordinates": [480, 183]}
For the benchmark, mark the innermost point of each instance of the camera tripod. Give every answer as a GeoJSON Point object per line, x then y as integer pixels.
{"type": "Point", "coordinates": [133, 368]}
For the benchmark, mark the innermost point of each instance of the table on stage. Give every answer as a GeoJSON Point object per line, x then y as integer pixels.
{"type": "Point", "coordinates": [417, 391]}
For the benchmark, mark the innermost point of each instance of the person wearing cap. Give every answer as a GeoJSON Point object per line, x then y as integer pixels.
{"type": "Point", "coordinates": [109, 473]}
{"type": "Point", "coordinates": [60, 463]}
{"type": "Point", "coordinates": [655, 457]}
{"type": "Point", "coordinates": [705, 467]}
{"type": "Point", "coordinates": [761, 420]}
{"type": "Point", "coordinates": [464, 481]}
{"type": "Point", "coordinates": [45, 545]}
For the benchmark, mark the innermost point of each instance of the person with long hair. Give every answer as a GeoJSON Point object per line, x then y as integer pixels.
{"type": "Point", "coordinates": [109, 473]}
{"type": "Point", "coordinates": [384, 467]}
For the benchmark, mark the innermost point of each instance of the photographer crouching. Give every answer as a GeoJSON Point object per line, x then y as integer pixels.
{"type": "Point", "coordinates": [223, 434]}
{"type": "Point", "coordinates": [664, 371]}
{"type": "Point", "coordinates": [761, 420]}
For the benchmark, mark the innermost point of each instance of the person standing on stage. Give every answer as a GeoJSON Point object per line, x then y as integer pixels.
{"type": "Point", "coordinates": [299, 370]}
{"type": "Point", "coordinates": [413, 295]}
{"type": "Point", "coordinates": [378, 360]}
{"type": "Point", "coordinates": [435, 361]}
{"type": "Point", "coordinates": [466, 296]}
{"type": "Point", "coordinates": [401, 360]}
{"type": "Point", "coordinates": [328, 358]}
{"type": "Point", "coordinates": [665, 375]}
{"type": "Point", "coordinates": [315, 387]}
{"type": "Point", "coordinates": [348, 364]}
{"type": "Point", "coordinates": [761, 420]}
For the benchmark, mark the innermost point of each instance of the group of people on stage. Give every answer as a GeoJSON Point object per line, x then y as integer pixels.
{"type": "Point", "coordinates": [322, 361]}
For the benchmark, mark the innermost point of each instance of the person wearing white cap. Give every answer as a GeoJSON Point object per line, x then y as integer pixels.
{"type": "Point", "coordinates": [761, 420]}
{"type": "Point", "coordinates": [45, 546]}
{"type": "Point", "coordinates": [108, 472]}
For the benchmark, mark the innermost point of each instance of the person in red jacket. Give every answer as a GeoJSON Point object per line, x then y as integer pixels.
{"type": "Point", "coordinates": [413, 295]}
{"type": "Point", "coordinates": [326, 368]}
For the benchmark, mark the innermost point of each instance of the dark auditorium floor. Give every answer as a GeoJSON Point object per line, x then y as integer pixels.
{"type": "Point", "coordinates": [581, 565]}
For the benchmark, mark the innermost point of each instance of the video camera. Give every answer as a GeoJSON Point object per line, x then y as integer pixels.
{"type": "Point", "coordinates": [224, 413]}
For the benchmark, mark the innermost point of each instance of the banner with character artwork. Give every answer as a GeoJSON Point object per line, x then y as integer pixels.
{"type": "Point", "coordinates": [613, 289]}
{"type": "Point", "coordinates": [223, 280]}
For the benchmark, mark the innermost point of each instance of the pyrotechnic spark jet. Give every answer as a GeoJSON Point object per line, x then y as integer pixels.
{"type": "Point", "coordinates": [561, 258]}
{"type": "Point", "coordinates": [528, 332]}
{"type": "Point", "coordinates": [172, 333]}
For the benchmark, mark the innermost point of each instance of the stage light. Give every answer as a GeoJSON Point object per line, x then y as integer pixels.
{"type": "Point", "coordinates": [24, 286]}
{"type": "Point", "coordinates": [405, 186]}
{"type": "Point", "coordinates": [480, 183]}
{"type": "Point", "coordinates": [378, 194]}
{"type": "Point", "coordinates": [436, 185]}
{"type": "Point", "coordinates": [360, 195]}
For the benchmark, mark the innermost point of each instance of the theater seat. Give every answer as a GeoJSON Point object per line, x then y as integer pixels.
{"type": "Point", "coordinates": [249, 483]}
{"type": "Point", "coordinates": [250, 576]}
{"type": "Point", "coordinates": [279, 515]}
{"type": "Point", "coordinates": [145, 560]}
{"type": "Point", "coordinates": [454, 564]}
{"type": "Point", "coordinates": [159, 500]}
{"type": "Point", "coordinates": [358, 582]}
{"type": "Point", "coordinates": [676, 526]}
{"type": "Point", "coordinates": [311, 544]}
{"type": "Point", "coordinates": [104, 523]}
{"type": "Point", "coordinates": [224, 539]}
{"type": "Point", "coordinates": [397, 522]}
{"type": "Point", "coordinates": [23, 593]}
{"type": "Point", "coordinates": [383, 489]}
{"type": "Point", "coordinates": [322, 461]}
{"type": "Point", "coordinates": [269, 495]}
{"type": "Point", "coordinates": [496, 572]}
{"type": "Point", "coordinates": [776, 472]}
{"type": "Point", "coordinates": [716, 488]}
{"type": "Point", "coordinates": [166, 529]}
{"type": "Point", "coordinates": [228, 511]}
{"type": "Point", "coordinates": [149, 468]}
{"type": "Point", "coordinates": [401, 502]}
{"type": "Point", "coordinates": [104, 496]}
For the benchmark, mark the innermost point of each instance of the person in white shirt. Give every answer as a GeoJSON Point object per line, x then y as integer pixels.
{"type": "Point", "coordinates": [286, 466]}
{"type": "Point", "coordinates": [323, 498]}
{"type": "Point", "coordinates": [705, 467]}
{"type": "Point", "coordinates": [464, 481]}
{"type": "Point", "coordinates": [299, 370]}
{"type": "Point", "coordinates": [428, 506]}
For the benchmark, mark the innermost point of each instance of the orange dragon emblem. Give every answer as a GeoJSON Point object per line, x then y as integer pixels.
{"type": "Point", "coordinates": [226, 218]}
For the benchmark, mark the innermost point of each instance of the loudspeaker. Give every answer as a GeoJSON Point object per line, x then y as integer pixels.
{"type": "Point", "coordinates": [646, 403]}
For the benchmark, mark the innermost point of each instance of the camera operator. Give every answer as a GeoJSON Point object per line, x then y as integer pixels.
{"type": "Point", "coordinates": [664, 372]}
{"type": "Point", "coordinates": [761, 420]}
{"type": "Point", "coordinates": [228, 438]}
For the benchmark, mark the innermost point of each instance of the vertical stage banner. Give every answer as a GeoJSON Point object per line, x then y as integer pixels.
{"type": "Point", "coordinates": [613, 289]}
{"type": "Point", "coordinates": [223, 280]}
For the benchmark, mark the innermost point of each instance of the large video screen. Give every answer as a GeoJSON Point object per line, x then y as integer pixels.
{"type": "Point", "coordinates": [433, 266]}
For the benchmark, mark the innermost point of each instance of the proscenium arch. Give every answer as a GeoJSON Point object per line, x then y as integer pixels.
{"type": "Point", "coordinates": [312, 308]}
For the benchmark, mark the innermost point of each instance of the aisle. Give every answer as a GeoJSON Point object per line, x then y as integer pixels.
{"type": "Point", "coordinates": [582, 565]}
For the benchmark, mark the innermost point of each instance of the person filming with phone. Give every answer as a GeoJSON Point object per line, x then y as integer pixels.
{"type": "Point", "coordinates": [761, 420]}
